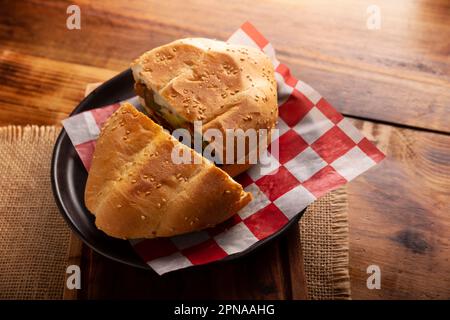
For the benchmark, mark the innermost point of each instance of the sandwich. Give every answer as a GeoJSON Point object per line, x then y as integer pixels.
{"type": "Point", "coordinates": [135, 190]}
{"type": "Point", "coordinates": [224, 86]}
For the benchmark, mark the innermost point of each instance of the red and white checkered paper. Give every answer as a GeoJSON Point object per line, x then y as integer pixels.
{"type": "Point", "coordinates": [319, 150]}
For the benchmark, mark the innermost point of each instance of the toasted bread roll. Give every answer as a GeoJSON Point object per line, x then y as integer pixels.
{"type": "Point", "coordinates": [135, 190]}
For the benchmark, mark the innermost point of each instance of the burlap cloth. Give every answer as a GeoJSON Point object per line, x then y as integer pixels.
{"type": "Point", "coordinates": [34, 239]}
{"type": "Point", "coordinates": [33, 236]}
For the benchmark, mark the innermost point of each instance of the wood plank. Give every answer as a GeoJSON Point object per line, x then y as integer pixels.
{"type": "Point", "coordinates": [399, 216]}
{"type": "Point", "coordinates": [400, 73]}
{"type": "Point", "coordinates": [74, 256]}
{"type": "Point", "coordinates": [259, 275]}
{"type": "Point", "coordinates": [36, 90]}
{"type": "Point", "coordinates": [295, 265]}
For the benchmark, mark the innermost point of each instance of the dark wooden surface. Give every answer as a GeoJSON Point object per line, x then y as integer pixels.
{"type": "Point", "coordinates": [399, 216]}
{"type": "Point", "coordinates": [268, 273]}
{"type": "Point", "coordinates": [394, 82]}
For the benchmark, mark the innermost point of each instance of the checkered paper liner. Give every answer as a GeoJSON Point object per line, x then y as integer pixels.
{"type": "Point", "coordinates": [319, 150]}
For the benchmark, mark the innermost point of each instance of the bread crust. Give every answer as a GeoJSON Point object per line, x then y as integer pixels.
{"type": "Point", "coordinates": [136, 191]}
{"type": "Point", "coordinates": [223, 85]}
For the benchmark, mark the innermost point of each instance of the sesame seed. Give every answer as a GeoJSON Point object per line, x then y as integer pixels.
{"type": "Point", "coordinates": [185, 218]}
{"type": "Point", "coordinates": [158, 185]}
{"type": "Point", "coordinates": [143, 217]}
{"type": "Point", "coordinates": [133, 181]}
{"type": "Point", "coordinates": [124, 138]}
{"type": "Point", "coordinates": [145, 176]}
{"type": "Point", "coordinates": [158, 205]}
{"type": "Point", "coordinates": [119, 206]}
{"type": "Point", "coordinates": [152, 179]}
{"type": "Point", "coordinates": [191, 223]}
{"type": "Point", "coordinates": [163, 200]}
{"type": "Point", "coordinates": [147, 193]}
{"type": "Point", "coordinates": [128, 131]}
{"type": "Point", "coordinates": [227, 191]}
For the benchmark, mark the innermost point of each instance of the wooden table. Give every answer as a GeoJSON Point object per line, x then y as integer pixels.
{"type": "Point", "coordinates": [393, 82]}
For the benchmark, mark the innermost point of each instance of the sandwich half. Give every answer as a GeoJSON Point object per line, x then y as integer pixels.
{"type": "Point", "coordinates": [135, 190]}
{"type": "Point", "coordinates": [223, 85]}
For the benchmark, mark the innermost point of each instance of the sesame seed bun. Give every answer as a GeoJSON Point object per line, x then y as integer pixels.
{"type": "Point", "coordinates": [135, 190]}
{"type": "Point", "coordinates": [223, 85]}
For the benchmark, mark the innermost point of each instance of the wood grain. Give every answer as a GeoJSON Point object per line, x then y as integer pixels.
{"type": "Point", "coordinates": [295, 265]}
{"type": "Point", "coordinates": [399, 216]}
{"type": "Point", "coordinates": [74, 257]}
{"type": "Point", "coordinates": [260, 275]}
{"type": "Point", "coordinates": [399, 73]}
{"type": "Point", "coordinates": [42, 91]}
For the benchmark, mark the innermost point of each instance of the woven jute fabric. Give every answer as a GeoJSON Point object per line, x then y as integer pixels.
{"type": "Point", "coordinates": [324, 240]}
{"type": "Point", "coordinates": [34, 238]}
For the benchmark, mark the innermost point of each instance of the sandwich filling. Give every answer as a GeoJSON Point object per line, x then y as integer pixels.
{"type": "Point", "coordinates": [157, 107]}
{"type": "Point", "coordinates": [163, 113]}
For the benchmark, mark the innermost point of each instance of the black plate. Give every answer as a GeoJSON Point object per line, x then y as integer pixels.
{"type": "Point", "coordinates": [69, 178]}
